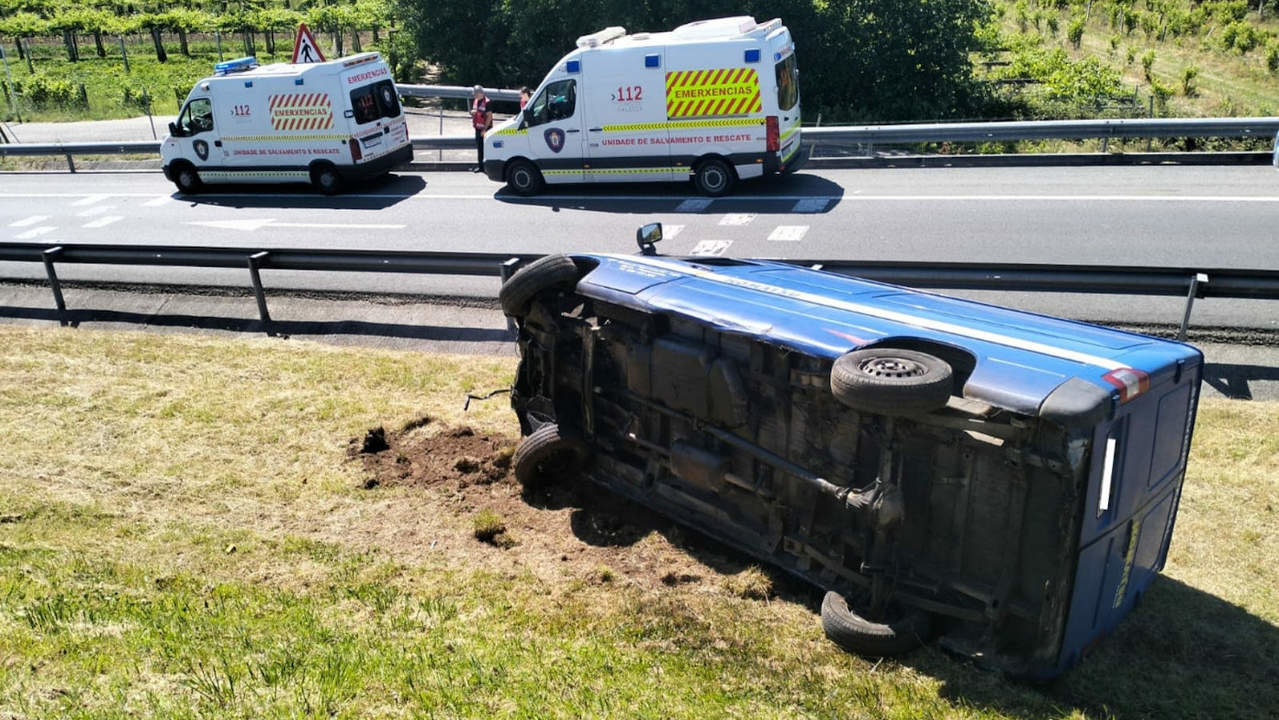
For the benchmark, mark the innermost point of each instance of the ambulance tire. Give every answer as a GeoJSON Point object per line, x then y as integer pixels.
{"type": "Point", "coordinates": [325, 179]}
{"type": "Point", "coordinates": [186, 179]}
{"type": "Point", "coordinates": [523, 178]}
{"type": "Point", "coordinates": [889, 381]}
{"type": "Point", "coordinates": [551, 271]}
{"type": "Point", "coordinates": [905, 629]}
{"type": "Point", "coordinates": [714, 177]}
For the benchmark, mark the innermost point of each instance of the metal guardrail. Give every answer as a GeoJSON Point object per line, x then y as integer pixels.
{"type": "Point", "coordinates": [1187, 282]}
{"type": "Point", "coordinates": [835, 135]}
{"type": "Point", "coordinates": [455, 92]}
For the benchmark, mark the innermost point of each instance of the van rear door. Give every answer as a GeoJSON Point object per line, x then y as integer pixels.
{"type": "Point", "coordinates": [374, 110]}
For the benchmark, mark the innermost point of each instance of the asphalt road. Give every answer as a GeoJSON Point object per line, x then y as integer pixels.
{"type": "Point", "coordinates": [1157, 215]}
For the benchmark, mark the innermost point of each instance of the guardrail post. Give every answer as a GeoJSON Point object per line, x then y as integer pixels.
{"type": "Point", "coordinates": [70, 163]}
{"type": "Point", "coordinates": [254, 261]}
{"type": "Point", "coordinates": [508, 269]}
{"type": "Point", "coordinates": [47, 256]}
{"type": "Point", "coordinates": [1190, 303]}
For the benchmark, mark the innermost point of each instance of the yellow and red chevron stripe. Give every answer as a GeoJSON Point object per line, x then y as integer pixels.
{"type": "Point", "coordinates": [713, 92]}
{"type": "Point", "coordinates": [301, 111]}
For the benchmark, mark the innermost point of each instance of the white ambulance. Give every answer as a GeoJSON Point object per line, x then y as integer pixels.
{"type": "Point", "coordinates": [714, 100]}
{"type": "Point", "coordinates": [323, 123]}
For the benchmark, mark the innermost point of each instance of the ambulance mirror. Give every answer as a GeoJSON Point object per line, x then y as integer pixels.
{"type": "Point", "coordinates": [647, 236]}
{"type": "Point", "coordinates": [173, 129]}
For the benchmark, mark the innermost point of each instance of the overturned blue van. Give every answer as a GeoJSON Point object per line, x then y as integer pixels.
{"type": "Point", "coordinates": [1003, 482]}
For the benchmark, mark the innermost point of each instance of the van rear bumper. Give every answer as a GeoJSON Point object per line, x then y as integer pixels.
{"type": "Point", "coordinates": [378, 166]}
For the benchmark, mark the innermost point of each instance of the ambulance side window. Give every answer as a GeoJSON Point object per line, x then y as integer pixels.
{"type": "Point", "coordinates": [557, 102]}
{"type": "Point", "coordinates": [197, 117]}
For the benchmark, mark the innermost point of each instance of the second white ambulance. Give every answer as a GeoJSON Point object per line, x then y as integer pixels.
{"type": "Point", "coordinates": [324, 123]}
{"type": "Point", "coordinates": [714, 100]}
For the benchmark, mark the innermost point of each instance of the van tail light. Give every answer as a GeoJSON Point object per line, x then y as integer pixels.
{"type": "Point", "coordinates": [774, 135]}
{"type": "Point", "coordinates": [356, 154]}
{"type": "Point", "coordinates": [1130, 383]}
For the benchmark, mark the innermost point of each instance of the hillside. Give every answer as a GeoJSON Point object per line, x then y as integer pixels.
{"type": "Point", "coordinates": [1179, 57]}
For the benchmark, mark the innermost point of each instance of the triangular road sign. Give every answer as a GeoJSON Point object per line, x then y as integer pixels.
{"type": "Point", "coordinates": [305, 49]}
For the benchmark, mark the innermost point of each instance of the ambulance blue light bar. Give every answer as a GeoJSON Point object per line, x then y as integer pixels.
{"type": "Point", "coordinates": [236, 65]}
{"type": "Point", "coordinates": [752, 55]}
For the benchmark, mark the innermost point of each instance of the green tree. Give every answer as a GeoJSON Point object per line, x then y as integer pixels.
{"type": "Point", "coordinates": [184, 21]}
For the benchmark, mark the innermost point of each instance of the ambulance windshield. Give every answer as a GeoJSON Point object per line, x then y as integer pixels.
{"type": "Point", "coordinates": [787, 83]}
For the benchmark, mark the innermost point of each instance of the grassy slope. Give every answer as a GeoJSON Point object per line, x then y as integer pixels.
{"type": "Point", "coordinates": [181, 536]}
{"type": "Point", "coordinates": [1229, 83]}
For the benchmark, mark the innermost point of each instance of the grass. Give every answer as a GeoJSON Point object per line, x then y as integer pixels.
{"type": "Point", "coordinates": [182, 536]}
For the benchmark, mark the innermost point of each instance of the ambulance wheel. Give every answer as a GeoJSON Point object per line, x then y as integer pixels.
{"type": "Point", "coordinates": [325, 179]}
{"type": "Point", "coordinates": [903, 628]}
{"type": "Point", "coordinates": [890, 381]}
{"type": "Point", "coordinates": [542, 274]}
{"type": "Point", "coordinates": [524, 178]}
{"type": "Point", "coordinates": [546, 457]}
{"type": "Point", "coordinates": [714, 177]}
{"type": "Point", "coordinates": [186, 179]}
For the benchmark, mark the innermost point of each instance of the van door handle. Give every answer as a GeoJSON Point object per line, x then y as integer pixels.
{"type": "Point", "coordinates": [598, 129]}
{"type": "Point", "coordinates": [217, 143]}
{"type": "Point", "coordinates": [573, 130]}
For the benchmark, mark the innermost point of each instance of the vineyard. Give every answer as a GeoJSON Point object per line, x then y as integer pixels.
{"type": "Point", "coordinates": [96, 59]}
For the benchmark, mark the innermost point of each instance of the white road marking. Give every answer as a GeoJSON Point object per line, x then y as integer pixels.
{"type": "Point", "coordinates": [103, 221]}
{"type": "Point", "coordinates": [91, 200]}
{"type": "Point", "coordinates": [32, 220]}
{"type": "Point", "coordinates": [695, 201]}
{"type": "Point", "coordinates": [788, 233]}
{"type": "Point", "coordinates": [250, 225]}
{"type": "Point", "coordinates": [710, 247]}
{"type": "Point", "coordinates": [95, 210]}
{"type": "Point", "coordinates": [670, 232]}
{"type": "Point", "coordinates": [162, 200]}
{"type": "Point", "coordinates": [689, 205]}
{"type": "Point", "coordinates": [35, 232]}
{"type": "Point", "coordinates": [810, 205]}
{"type": "Point", "coordinates": [737, 219]}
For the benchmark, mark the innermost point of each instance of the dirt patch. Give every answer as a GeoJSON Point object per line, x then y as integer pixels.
{"type": "Point", "coordinates": [572, 531]}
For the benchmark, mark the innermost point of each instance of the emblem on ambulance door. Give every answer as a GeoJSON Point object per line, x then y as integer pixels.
{"type": "Point", "coordinates": [201, 149]}
{"type": "Point", "coordinates": [554, 139]}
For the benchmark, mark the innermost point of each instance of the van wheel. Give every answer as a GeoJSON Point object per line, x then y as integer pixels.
{"type": "Point", "coordinates": [714, 177]}
{"type": "Point", "coordinates": [546, 457]}
{"type": "Point", "coordinates": [186, 179]}
{"type": "Point", "coordinates": [541, 274]}
{"type": "Point", "coordinates": [524, 178]}
{"type": "Point", "coordinates": [904, 629]}
{"type": "Point", "coordinates": [889, 381]}
{"type": "Point", "coordinates": [325, 178]}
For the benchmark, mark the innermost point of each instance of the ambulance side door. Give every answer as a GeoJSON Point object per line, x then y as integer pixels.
{"type": "Point", "coordinates": [198, 136]}
{"type": "Point", "coordinates": [626, 118]}
{"type": "Point", "coordinates": [555, 139]}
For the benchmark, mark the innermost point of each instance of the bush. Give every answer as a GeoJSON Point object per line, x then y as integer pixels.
{"type": "Point", "coordinates": [1148, 65]}
{"type": "Point", "coordinates": [1075, 32]}
{"type": "Point", "coordinates": [1188, 75]}
{"type": "Point", "coordinates": [44, 91]}
{"type": "Point", "coordinates": [1272, 57]}
{"type": "Point", "coordinates": [1162, 94]}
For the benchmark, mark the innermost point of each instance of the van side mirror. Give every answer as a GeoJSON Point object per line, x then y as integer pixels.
{"type": "Point", "coordinates": [524, 118]}
{"type": "Point", "coordinates": [647, 237]}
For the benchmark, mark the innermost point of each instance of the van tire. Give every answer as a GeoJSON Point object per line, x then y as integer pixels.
{"type": "Point", "coordinates": [523, 178]}
{"type": "Point", "coordinates": [545, 457]}
{"type": "Point", "coordinates": [541, 274]}
{"type": "Point", "coordinates": [186, 178]}
{"type": "Point", "coordinates": [325, 179]}
{"type": "Point", "coordinates": [906, 631]}
{"type": "Point", "coordinates": [714, 177]}
{"type": "Point", "coordinates": [890, 381]}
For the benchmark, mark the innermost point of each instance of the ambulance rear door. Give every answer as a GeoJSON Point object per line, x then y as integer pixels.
{"type": "Point", "coordinates": [626, 117]}
{"type": "Point", "coordinates": [373, 109]}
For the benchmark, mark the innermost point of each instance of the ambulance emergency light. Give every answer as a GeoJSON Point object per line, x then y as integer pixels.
{"type": "Point", "coordinates": [236, 65]}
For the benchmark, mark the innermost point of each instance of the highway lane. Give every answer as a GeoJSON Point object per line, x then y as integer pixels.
{"type": "Point", "coordinates": [1156, 215]}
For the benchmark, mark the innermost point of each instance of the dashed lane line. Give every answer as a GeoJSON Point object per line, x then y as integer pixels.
{"type": "Point", "coordinates": [35, 232]}
{"type": "Point", "coordinates": [95, 210]}
{"type": "Point", "coordinates": [32, 220]}
{"type": "Point", "coordinates": [91, 200]}
{"type": "Point", "coordinates": [788, 233]}
{"type": "Point", "coordinates": [737, 219]}
{"type": "Point", "coordinates": [103, 221]}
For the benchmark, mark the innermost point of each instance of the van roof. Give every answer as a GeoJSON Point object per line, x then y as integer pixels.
{"type": "Point", "coordinates": [727, 28]}
{"type": "Point", "coordinates": [291, 70]}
